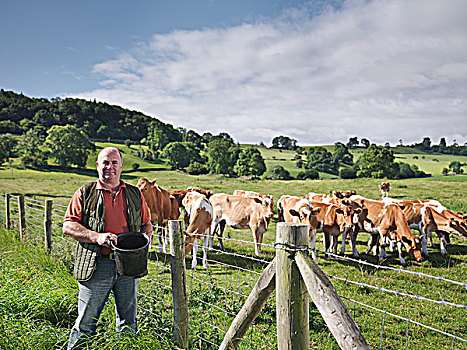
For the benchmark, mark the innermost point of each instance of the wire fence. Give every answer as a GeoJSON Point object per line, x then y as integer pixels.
{"type": "Point", "coordinates": [216, 294]}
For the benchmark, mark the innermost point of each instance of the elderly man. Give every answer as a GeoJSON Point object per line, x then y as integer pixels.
{"type": "Point", "coordinates": [97, 213]}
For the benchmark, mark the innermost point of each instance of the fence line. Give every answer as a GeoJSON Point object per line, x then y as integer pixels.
{"type": "Point", "coordinates": [400, 270]}
{"type": "Point", "coordinates": [228, 288]}
{"type": "Point", "coordinates": [381, 289]}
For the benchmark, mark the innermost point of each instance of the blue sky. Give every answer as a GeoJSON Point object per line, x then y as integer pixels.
{"type": "Point", "coordinates": [318, 71]}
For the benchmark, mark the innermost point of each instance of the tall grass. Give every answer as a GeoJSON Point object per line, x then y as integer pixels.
{"type": "Point", "coordinates": [38, 303]}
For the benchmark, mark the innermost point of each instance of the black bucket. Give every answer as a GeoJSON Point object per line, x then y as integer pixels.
{"type": "Point", "coordinates": [131, 254]}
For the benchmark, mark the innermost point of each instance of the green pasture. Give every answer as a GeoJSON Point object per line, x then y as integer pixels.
{"type": "Point", "coordinates": [59, 185]}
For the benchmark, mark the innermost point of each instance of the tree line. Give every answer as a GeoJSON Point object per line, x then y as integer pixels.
{"type": "Point", "coordinates": [37, 129]}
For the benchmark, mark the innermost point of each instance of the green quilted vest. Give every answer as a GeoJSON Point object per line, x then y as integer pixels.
{"type": "Point", "coordinates": [93, 219]}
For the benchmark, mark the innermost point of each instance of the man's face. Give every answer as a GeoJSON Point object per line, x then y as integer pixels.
{"type": "Point", "coordinates": [109, 166]}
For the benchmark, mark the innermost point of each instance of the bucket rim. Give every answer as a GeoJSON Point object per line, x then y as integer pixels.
{"type": "Point", "coordinates": [115, 248]}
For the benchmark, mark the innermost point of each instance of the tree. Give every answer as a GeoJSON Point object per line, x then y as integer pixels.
{"type": "Point", "coordinates": [250, 163]}
{"type": "Point", "coordinates": [378, 162]}
{"type": "Point", "coordinates": [7, 147]}
{"type": "Point", "coordinates": [365, 142]}
{"type": "Point", "coordinates": [278, 173]}
{"type": "Point", "coordinates": [456, 167]}
{"type": "Point", "coordinates": [342, 155]}
{"type": "Point", "coordinates": [161, 134]}
{"type": "Point", "coordinates": [32, 155]}
{"type": "Point", "coordinates": [69, 145]}
{"type": "Point", "coordinates": [176, 153]}
{"type": "Point", "coordinates": [353, 142]}
{"type": "Point", "coordinates": [284, 142]}
{"type": "Point", "coordinates": [220, 159]}
{"type": "Point", "coordinates": [320, 159]}
{"type": "Point", "coordinates": [196, 168]}
{"type": "Point", "coordinates": [347, 173]}
{"type": "Point", "coordinates": [442, 143]}
{"type": "Point", "coordinates": [311, 174]}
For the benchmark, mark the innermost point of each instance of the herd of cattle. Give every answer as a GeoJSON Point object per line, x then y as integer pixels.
{"type": "Point", "coordinates": [340, 213]}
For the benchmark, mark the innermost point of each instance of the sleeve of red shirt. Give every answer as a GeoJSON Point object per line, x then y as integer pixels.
{"type": "Point", "coordinates": [75, 208]}
{"type": "Point", "coordinates": [145, 217]}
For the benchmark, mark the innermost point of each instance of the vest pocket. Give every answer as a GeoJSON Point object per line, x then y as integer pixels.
{"type": "Point", "coordinates": [85, 260]}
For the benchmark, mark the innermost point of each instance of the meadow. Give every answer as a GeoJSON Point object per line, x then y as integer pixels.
{"type": "Point", "coordinates": [46, 303]}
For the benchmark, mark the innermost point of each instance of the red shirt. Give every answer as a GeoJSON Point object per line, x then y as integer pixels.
{"type": "Point", "coordinates": [115, 214]}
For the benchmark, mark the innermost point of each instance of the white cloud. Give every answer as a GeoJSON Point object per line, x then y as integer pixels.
{"type": "Point", "coordinates": [384, 69]}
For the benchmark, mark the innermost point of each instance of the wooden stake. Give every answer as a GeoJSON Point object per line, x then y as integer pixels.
{"type": "Point", "coordinates": [291, 294]}
{"type": "Point", "coordinates": [179, 293]}
{"type": "Point", "coordinates": [331, 307]}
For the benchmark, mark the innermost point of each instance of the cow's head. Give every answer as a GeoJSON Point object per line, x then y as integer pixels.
{"type": "Point", "coordinates": [413, 245]}
{"type": "Point", "coordinates": [143, 184]}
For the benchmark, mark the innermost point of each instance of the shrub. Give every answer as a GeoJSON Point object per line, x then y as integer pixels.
{"type": "Point", "coordinates": [278, 173]}
{"type": "Point", "coordinates": [308, 174]}
{"type": "Point", "coordinates": [135, 166]}
{"type": "Point", "coordinates": [347, 173]}
{"type": "Point", "coordinates": [196, 168]}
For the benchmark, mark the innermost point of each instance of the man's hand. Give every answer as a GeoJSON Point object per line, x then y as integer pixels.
{"type": "Point", "coordinates": [105, 238]}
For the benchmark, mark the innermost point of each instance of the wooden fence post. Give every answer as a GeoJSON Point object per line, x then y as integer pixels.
{"type": "Point", "coordinates": [7, 211]}
{"type": "Point", "coordinates": [22, 216]}
{"type": "Point", "coordinates": [179, 293]}
{"type": "Point", "coordinates": [291, 294]}
{"type": "Point", "coordinates": [331, 307]}
{"type": "Point", "coordinates": [48, 225]}
{"type": "Point", "coordinates": [252, 307]}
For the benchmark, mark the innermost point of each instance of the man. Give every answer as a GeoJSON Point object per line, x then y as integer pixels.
{"type": "Point", "coordinates": [97, 213]}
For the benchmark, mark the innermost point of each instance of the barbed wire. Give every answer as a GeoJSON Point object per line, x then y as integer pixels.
{"type": "Point", "coordinates": [400, 270]}
{"type": "Point", "coordinates": [381, 289]}
{"type": "Point", "coordinates": [405, 319]}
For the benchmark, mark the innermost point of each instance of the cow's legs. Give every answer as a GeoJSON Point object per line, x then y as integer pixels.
{"type": "Point", "coordinates": [424, 240]}
{"type": "Point", "coordinates": [442, 243]}
{"type": "Point", "coordinates": [194, 253]}
{"type": "Point", "coordinates": [399, 249]}
{"type": "Point", "coordinates": [353, 240]}
{"type": "Point", "coordinates": [205, 248]}
{"type": "Point", "coordinates": [313, 245]}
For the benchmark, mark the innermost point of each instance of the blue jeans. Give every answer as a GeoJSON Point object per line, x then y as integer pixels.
{"type": "Point", "coordinates": [92, 297]}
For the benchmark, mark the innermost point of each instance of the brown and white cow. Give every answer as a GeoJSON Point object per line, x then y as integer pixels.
{"type": "Point", "coordinates": [384, 188]}
{"type": "Point", "coordinates": [335, 220]}
{"type": "Point", "coordinates": [253, 194]}
{"type": "Point", "coordinates": [389, 222]}
{"type": "Point", "coordinates": [428, 216]}
{"type": "Point", "coordinates": [162, 208]}
{"type": "Point", "coordinates": [300, 211]}
{"type": "Point", "coordinates": [359, 217]}
{"type": "Point", "coordinates": [207, 193]}
{"type": "Point", "coordinates": [343, 194]}
{"type": "Point", "coordinates": [241, 213]}
{"type": "Point", "coordinates": [199, 211]}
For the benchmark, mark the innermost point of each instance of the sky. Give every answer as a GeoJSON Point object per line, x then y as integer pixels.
{"type": "Point", "coordinates": [316, 71]}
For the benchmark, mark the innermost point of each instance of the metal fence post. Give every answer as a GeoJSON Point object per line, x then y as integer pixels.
{"type": "Point", "coordinates": [179, 292]}
{"type": "Point", "coordinates": [291, 293]}
{"type": "Point", "coordinates": [7, 211]}
{"type": "Point", "coordinates": [22, 216]}
{"type": "Point", "coordinates": [48, 225]}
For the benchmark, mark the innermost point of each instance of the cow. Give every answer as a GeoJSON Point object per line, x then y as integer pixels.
{"type": "Point", "coordinates": [359, 217]}
{"type": "Point", "coordinates": [427, 216]}
{"type": "Point", "coordinates": [199, 211]}
{"type": "Point", "coordinates": [300, 211]}
{"type": "Point", "coordinates": [384, 188]}
{"type": "Point", "coordinates": [207, 193]}
{"type": "Point", "coordinates": [240, 213]}
{"type": "Point", "coordinates": [343, 194]}
{"type": "Point", "coordinates": [334, 220]}
{"type": "Point", "coordinates": [389, 222]}
{"type": "Point", "coordinates": [253, 194]}
{"type": "Point", "coordinates": [162, 207]}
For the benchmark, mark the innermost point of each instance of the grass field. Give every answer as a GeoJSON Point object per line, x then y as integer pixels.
{"type": "Point", "coordinates": [449, 190]}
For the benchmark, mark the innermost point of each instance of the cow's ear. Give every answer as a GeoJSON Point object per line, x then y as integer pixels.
{"type": "Point", "coordinates": [315, 211]}
{"type": "Point", "coordinates": [293, 212]}
{"type": "Point", "coordinates": [257, 200]}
